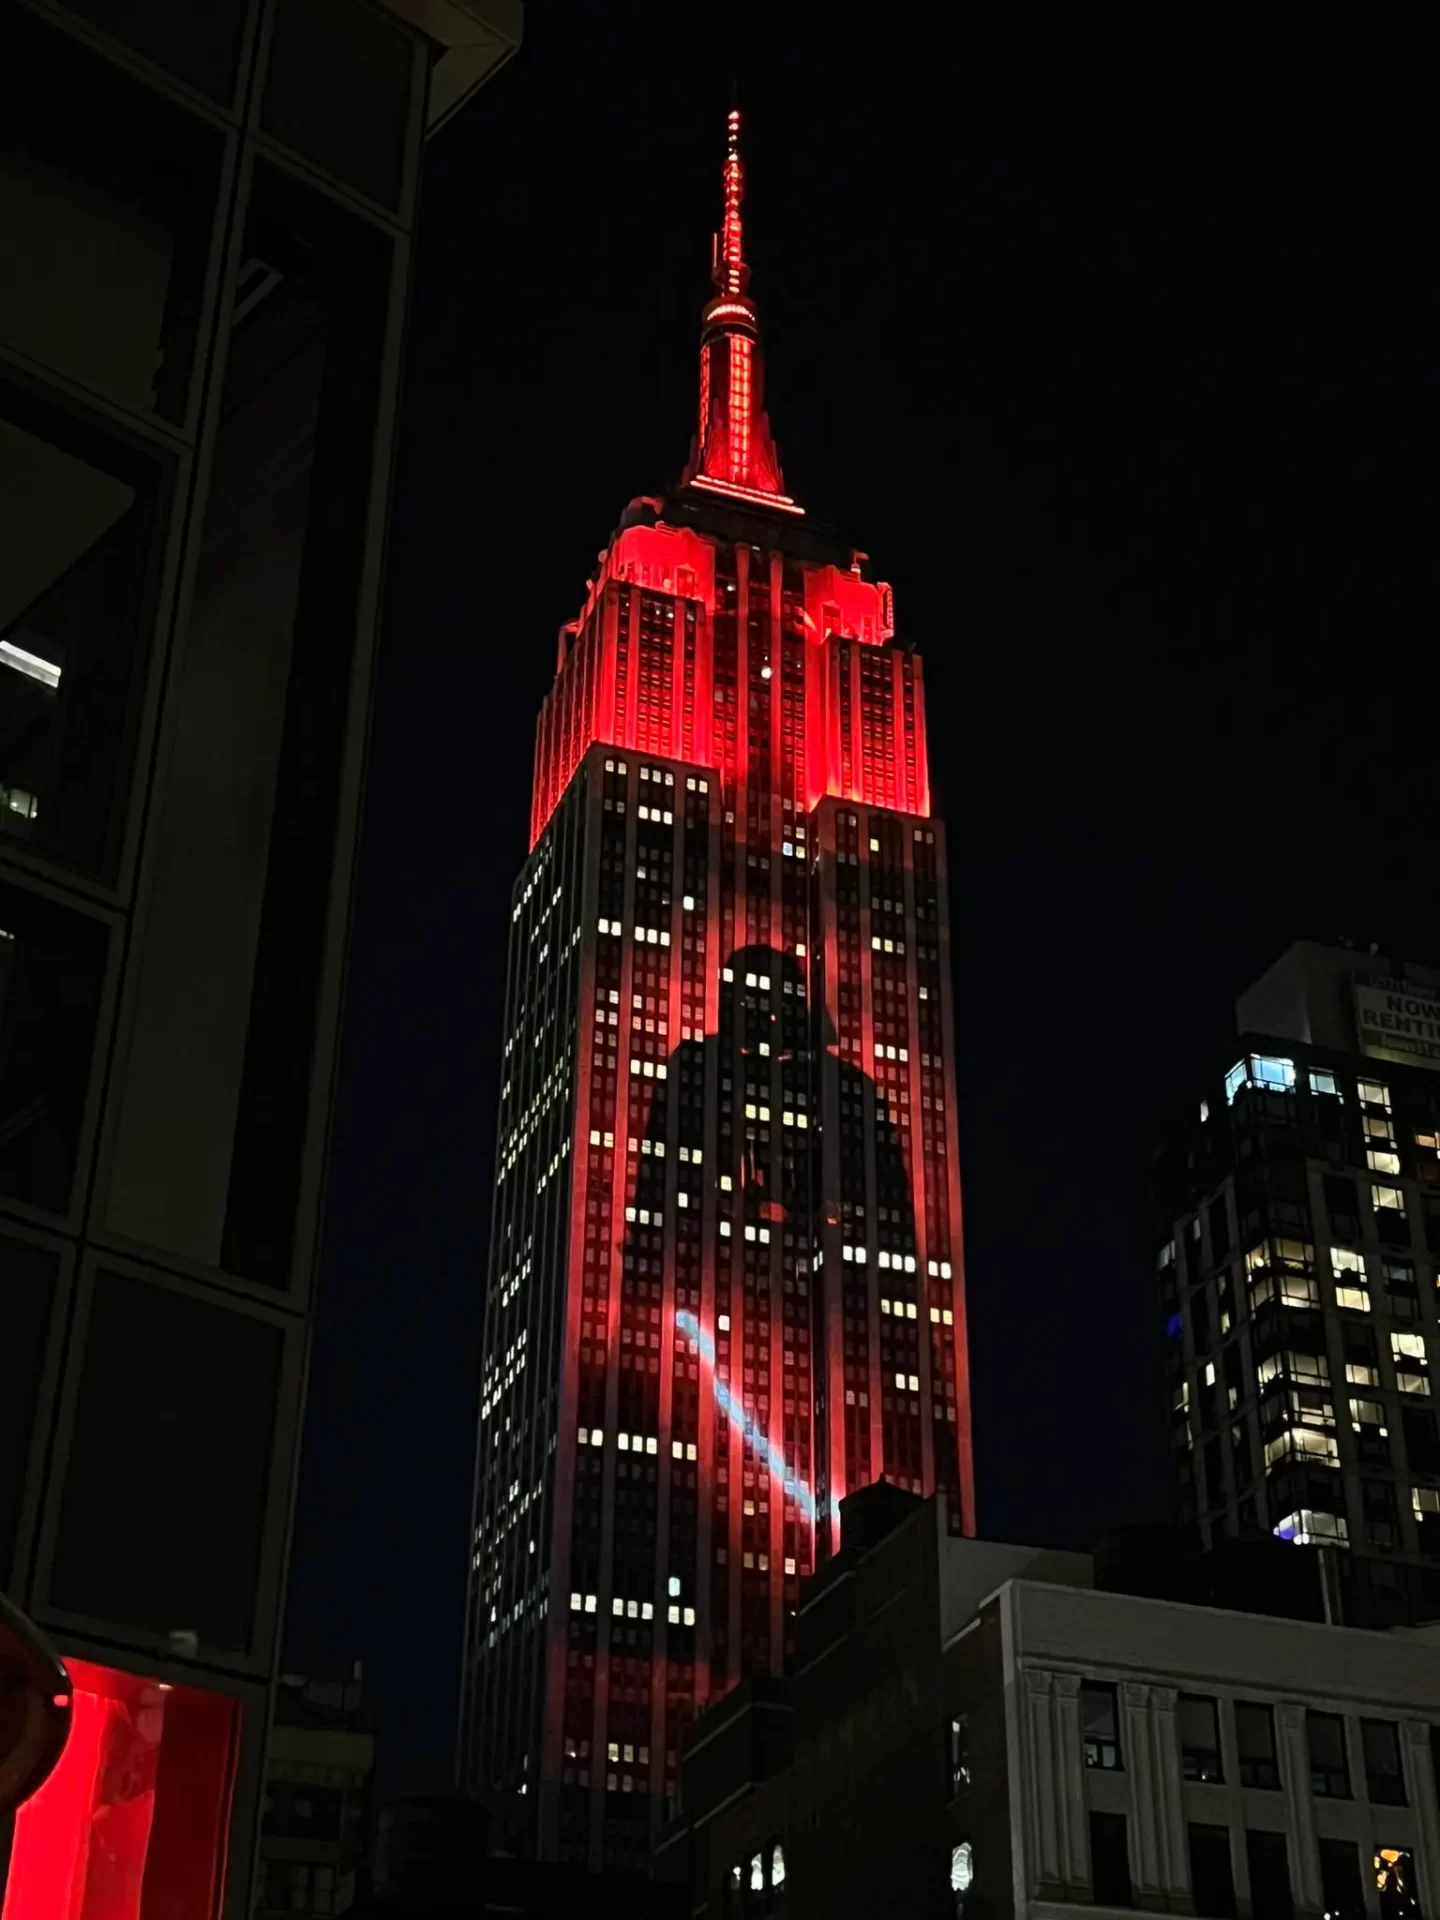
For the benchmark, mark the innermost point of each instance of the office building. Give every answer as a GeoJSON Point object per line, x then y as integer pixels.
{"type": "Point", "coordinates": [725, 1283]}
{"type": "Point", "coordinates": [208, 216]}
{"type": "Point", "coordinates": [1298, 1229]}
{"type": "Point", "coordinates": [994, 1731]}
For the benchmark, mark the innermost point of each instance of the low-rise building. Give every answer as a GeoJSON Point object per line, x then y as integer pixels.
{"type": "Point", "coordinates": [316, 1828]}
{"type": "Point", "coordinates": [998, 1732]}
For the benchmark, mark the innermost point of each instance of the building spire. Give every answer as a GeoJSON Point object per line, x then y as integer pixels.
{"type": "Point", "coordinates": [733, 452]}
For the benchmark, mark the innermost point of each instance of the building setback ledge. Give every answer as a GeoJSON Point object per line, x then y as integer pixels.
{"type": "Point", "coordinates": [473, 40]}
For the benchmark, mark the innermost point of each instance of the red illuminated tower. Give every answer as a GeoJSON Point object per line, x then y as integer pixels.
{"type": "Point", "coordinates": [725, 1282]}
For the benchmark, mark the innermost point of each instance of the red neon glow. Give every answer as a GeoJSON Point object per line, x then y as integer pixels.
{"type": "Point", "coordinates": [862, 718]}
{"type": "Point", "coordinates": [132, 1823]}
{"type": "Point", "coordinates": [733, 450]}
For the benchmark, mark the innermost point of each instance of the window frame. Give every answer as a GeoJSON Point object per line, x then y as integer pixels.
{"type": "Point", "coordinates": [1112, 1744]}
{"type": "Point", "coordinates": [1252, 1765]}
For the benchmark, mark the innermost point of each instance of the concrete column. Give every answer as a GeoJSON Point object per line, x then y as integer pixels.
{"type": "Point", "coordinates": [1420, 1786]}
{"type": "Point", "coordinates": [1044, 1830]}
{"type": "Point", "coordinates": [1139, 1758]}
{"type": "Point", "coordinates": [1300, 1809]}
{"type": "Point", "coordinates": [1070, 1784]}
{"type": "Point", "coordinates": [1173, 1844]}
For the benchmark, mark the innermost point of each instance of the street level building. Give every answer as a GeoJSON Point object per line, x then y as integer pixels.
{"type": "Point", "coordinates": [317, 1827]}
{"type": "Point", "coordinates": [997, 1732]}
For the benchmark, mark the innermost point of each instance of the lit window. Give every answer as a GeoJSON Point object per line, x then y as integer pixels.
{"type": "Point", "coordinates": [1260, 1070]}
{"type": "Point", "coordinates": [1395, 1876]}
{"type": "Point", "coordinates": [962, 1867]}
{"type": "Point", "coordinates": [1373, 1094]}
{"type": "Point", "coordinates": [1425, 1500]}
{"type": "Point", "coordinates": [1387, 1200]}
{"type": "Point", "coordinates": [688, 1616]}
{"type": "Point", "coordinates": [1309, 1528]}
{"type": "Point", "coordinates": [1324, 1083]}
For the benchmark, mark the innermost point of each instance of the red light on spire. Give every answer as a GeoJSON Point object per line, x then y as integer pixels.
{"type": "Point", "coordinates": [730, 275]}
{"type": "Point", "coordinates": [733, 453]}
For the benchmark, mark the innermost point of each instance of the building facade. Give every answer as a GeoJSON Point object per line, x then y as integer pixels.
{"type": "Point", "coordinates": [317, 1827]}
{"type": "Point", "coordinates": [1298, 1227]}
{"type": "Point", "coordinates": [725, 1280]}
{"type": "Point", "coordinates": [984, 1730]}
{"type": "Point", "coordinates": [209, 220]}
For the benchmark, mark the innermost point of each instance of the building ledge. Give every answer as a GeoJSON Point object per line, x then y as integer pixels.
{"type": "Point", "coordinates": [472, 38]}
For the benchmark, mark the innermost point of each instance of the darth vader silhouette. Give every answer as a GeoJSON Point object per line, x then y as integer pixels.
{"type": "Point", "coordinates": [769, 1057]}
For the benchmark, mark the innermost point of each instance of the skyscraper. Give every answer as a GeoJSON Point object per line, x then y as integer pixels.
{"type": "Point", "coordinates": [1298, 1229]}
{"type": "Point", "coordinates": [725, 1271]}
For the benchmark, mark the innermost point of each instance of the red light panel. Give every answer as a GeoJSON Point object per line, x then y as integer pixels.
{"type": "Point", "coordinates": [132, 1823]}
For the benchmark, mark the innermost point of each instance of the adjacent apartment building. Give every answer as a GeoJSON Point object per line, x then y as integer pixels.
{"type": "Point", "coordinates": [725, 1270]}
{"type": "Point", "coordinates": [1297, 1216]}
{"type": "Point", "coordinates": [209, 218]}
{"type": "Point", "coordinates": [1006, 1734]}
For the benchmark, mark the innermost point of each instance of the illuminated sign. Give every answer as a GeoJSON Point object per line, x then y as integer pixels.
{"type": "Point", "coordinates": [1398, 1020]}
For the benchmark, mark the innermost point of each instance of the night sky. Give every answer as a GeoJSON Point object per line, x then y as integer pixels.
{"type": "Point", "coordinates": [1112, 336]}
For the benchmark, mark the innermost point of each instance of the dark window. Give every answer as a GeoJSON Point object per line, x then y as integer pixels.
{"type": "Point", "coordinates": [1398, 1883]}
{"type": "Point", "coordinates": [1100, 1726]}
{"type": "Point", "coordinates": [212, 1136]}
{"type": "Point", "coordinates": [163, 1506]}
{"type": "Point", "coordinates": [1384, 1775]}
{"type": "Point", "coordinates": [1341, 1204]}
{"type": "Point", "coordinates": [338, 90]}
{"type": "Point", "coordinates": [108, 206]}
{"type": "Point", "coordinates": [77, 574]}
{"type": "Point", "coordinates": [1219, 1229]}
{"type": "Point", "coordinates": [27, 1292]}
{"type": "Point", "coordinates": [1212, 1875]}
{"type": "Point", "coordinates": [1270, 1895]}
{"type": "Point", "coordinates": [52, 964]}
{"type": "Point", "coordinates": [1421, 1444]}
{"type": "Point", "coordinates": [1109, 1861]}
{"type": "Point", "coordinates": [1329, 1768]}
{"type": "Point", "coordinates": [1341, 1889]}
{"type": "Point", "coordinates": [1199, 1737]}
{"type": "Point", "coordinates": [959, 1753]}
{"type": "Point", "coordinates": [198, 43]}
{"type": "Point", "coordinates": [1255, 1744]}
{"type": "Point", "coordinates": [1200, 1320]}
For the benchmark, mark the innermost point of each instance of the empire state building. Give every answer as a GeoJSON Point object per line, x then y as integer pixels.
{"type": "Point", "coordinates": [725, 1282]}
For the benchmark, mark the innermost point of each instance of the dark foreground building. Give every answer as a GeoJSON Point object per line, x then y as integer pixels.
{"type": "Point", "coordinates": [725, 1283]}
{"type": "Point", "coordinates": [1298, 1225]}
{"type": "Point", "coordinates": [208, 221]}
{"type": "Point", "coordinates": [1008, 1734]}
